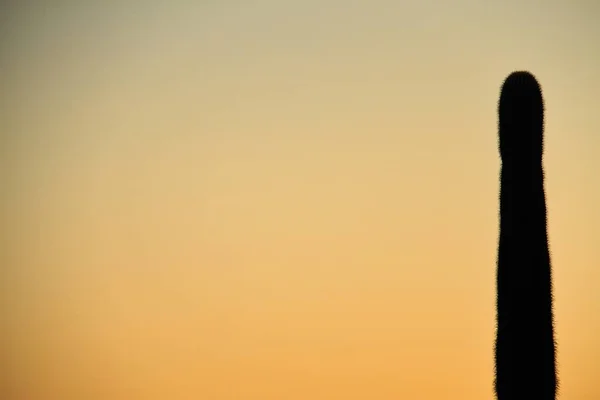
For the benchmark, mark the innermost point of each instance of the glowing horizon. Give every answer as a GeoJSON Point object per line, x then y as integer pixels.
{"type": "Point", "coordinates": [283, 201]}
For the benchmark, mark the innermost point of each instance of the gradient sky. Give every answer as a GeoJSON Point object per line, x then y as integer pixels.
{"type": "Point", "coordinates": [269, 200]}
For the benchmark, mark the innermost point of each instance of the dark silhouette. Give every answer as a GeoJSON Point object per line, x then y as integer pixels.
{"type": "Point", "coordinates": [525, 347]}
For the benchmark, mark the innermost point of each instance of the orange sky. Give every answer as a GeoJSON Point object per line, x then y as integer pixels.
{"type": "Point", "coordinates": [266, 200]}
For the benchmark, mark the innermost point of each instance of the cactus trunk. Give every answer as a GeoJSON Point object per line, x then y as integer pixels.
{"type": "Point", "coordinates": [525, 347]}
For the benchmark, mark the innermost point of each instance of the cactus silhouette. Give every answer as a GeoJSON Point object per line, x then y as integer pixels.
{"type": "Point", "coordinates": [525, 347]}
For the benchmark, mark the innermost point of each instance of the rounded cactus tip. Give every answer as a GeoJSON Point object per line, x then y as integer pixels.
{"type": "Point", "coordinates": [521, 74]}
{"type": "Point", "coordinates": [521, 79]}
{"type": "Point", "coordinates": [521, 118]}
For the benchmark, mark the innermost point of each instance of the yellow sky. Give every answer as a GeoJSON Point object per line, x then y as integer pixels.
{"type": "Point", "coordinates": [282, 200]}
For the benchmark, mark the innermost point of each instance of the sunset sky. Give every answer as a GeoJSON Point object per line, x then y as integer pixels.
{"type": "Point", "coordinates": [277, 200]}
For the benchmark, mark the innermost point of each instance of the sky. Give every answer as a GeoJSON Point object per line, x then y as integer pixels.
{"type": "Point", "coordinates": [276, 200]}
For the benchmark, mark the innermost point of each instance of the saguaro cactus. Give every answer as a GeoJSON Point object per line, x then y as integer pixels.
{"type": "Point", "coordinates": [525, 347]}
